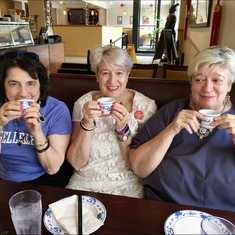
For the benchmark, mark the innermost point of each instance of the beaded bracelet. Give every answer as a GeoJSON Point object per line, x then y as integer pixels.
{"type": "Point", "coordinates": [87, 128]}
{"type": "Point", "coordinates": [45, 149]}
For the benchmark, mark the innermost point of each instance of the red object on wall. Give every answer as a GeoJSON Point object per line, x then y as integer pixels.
{"type": "Point", "coordinates": [216, 24]}
{"type": "Point", "coordinates": [188, 3]}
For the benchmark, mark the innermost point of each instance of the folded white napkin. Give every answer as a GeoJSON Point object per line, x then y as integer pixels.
{"type": "Point", "coordinates": [65, 212]}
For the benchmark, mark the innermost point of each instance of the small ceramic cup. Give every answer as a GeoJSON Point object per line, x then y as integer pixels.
{"type": "Point", "coordinates": [26, 103]}
{"type": "Point", "coordinates": [209, 114]}
{"type": "Point", "coordinates": [217, 225]}
{"type": "Point", "coordinates": [106, 104]}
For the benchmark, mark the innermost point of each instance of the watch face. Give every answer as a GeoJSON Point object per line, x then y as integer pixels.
{"type": "Point", "coordinates": [125, 137]}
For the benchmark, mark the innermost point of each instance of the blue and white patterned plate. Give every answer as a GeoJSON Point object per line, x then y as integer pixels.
{"type": "Point", "coordinates": [184, 222]}
{"type": "Point", "coordinates": [90, 203]}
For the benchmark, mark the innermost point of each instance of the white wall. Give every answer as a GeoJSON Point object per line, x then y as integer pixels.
{"type": "Point", "coordinates": [116, 10]}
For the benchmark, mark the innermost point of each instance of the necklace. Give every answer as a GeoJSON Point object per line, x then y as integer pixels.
{"type": "Point", "coordinates": [20, 137]}
{"type": "Point", "coordinates": [203, 131]}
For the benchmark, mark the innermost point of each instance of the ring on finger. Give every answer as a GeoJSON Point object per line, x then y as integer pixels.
{"type": "Point", "coordinates": [5, 114]}
{"type": "Point", "coordinates": [40, 118]}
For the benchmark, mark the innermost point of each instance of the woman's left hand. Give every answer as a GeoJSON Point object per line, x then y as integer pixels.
{"type": "Point", "coordinates": [226, 121]}
{"type": "Point", "coordinates": [31, 118]}
{"type": "Point", "coordinates": [121, 114]}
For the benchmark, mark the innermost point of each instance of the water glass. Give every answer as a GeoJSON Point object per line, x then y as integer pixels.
{"type": "Point", "coordinates": [26, 212]}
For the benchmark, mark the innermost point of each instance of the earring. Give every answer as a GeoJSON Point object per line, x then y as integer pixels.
{"type": "Point", "coordinates": [191, 97]}
{"type": "Point", "coordinates": [227, 99]}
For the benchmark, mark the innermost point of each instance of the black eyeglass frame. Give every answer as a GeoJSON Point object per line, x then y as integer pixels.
{"type": "Point", "coordinates": [25, 54]}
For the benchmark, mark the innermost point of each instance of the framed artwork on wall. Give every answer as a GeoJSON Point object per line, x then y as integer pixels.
{"type": "Point", "coordinates": [76, 16]}
{"type": "Point", "coordinates": [131, 19]}
{"type": "Point", "coordinates": [199, 13]}
{"type": "Point", "coordinates": [26, 6]}
{"type": "Point", "coordinates": [145, 20]}
{"type": "Point", "coordinates": [32, 24]}
{"type": "Point", "coordinates": [119, 19]}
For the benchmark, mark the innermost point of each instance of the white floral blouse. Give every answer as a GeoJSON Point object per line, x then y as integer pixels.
{"type": "Point", "coordinates": [106, 171]}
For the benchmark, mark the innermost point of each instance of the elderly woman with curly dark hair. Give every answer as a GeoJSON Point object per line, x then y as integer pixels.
{"type": "Point", "coordinates": [34, 139]}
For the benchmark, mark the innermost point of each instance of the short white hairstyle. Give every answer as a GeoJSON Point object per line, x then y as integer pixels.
{"type": "Point", "coordinates": [111, 55]}
{"type": "Point", "coordinates": [223, 56]}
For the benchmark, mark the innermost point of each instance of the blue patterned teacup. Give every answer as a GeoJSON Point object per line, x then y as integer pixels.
{"type": "Point", "coordinates": [209, 114]}
{"type": "Point", "coordinates": [106, 104]}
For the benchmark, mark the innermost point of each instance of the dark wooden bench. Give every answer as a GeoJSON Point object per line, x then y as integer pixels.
{"type": "Point", "coordinates": [75, 71]}
{"type": "Point", "coordinates": [75, 65]}
{"type": "Point", "coordinates": [69, 87]}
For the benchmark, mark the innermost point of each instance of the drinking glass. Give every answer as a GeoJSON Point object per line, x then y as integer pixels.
{"type": "Point", "coordinates": [26, 212]}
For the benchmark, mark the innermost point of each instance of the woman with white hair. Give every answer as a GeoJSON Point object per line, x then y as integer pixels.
{"type": "Point", "coordinates": [182, 161]}
{"type": "Point", "coordinates": [100, 143]}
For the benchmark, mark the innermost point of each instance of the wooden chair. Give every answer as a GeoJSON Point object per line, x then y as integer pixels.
{"type": "Point", "coordinates": [144, 70]}
{"type": "Point", "coordinates": [176, 75]}
{"type": "Point", "coordinates": [178, 72]}
{"type": "Point", "coordinates": [69, 65]}
{"type": "Point", "coordinates": [80, 66]}
{"type": "Point", "coordinates": [75, 71]}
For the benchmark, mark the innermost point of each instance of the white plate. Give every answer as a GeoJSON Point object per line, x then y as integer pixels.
{"type": "Point", "coordinates": [90, 203]}
{"type": "Point", "coordinates": [184, 222]}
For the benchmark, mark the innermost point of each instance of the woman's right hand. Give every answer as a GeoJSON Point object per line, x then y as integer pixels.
{"type": "Point", "coordinates": [9, 111]}
{"type": "Point", "coordinates": [187, 119]}
{"type": "Point", "coordinates": [90, 110]}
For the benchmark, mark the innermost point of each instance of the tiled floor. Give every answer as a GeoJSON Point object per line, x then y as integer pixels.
{"type": "Point", "coordinates": [140, 59]}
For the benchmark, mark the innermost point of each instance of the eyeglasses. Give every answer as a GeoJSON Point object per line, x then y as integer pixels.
{"type": "Point", "coordinates": [13, 55]}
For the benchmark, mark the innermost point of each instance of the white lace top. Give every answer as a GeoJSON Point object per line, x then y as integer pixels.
{"type": "Point", "coordinates": [107, 171]}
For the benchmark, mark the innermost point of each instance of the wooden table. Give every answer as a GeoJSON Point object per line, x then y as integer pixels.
{"type": "Point", "coordinates": [124, 215]}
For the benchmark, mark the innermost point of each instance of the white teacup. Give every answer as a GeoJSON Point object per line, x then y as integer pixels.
{"type": "Point", "coordinates": [26, 103]}
{"type": "Point", "coordinates": [106, 104]}
{"type": "Point", "coordinates": [217, 225]}
{"type": "Point", "coordinates": [209, 114]}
